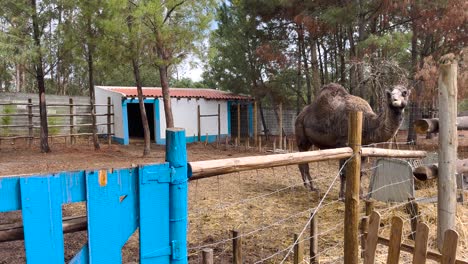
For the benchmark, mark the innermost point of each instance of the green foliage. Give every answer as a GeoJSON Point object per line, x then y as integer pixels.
{"type": "Point", "coordinates": [7, 120]}
{"type": "Point", "coordinates": [52, 121]}
{"type": "Point", "coordinates": [463, 105]}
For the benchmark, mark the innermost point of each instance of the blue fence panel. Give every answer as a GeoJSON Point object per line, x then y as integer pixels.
{"type": "Point", "coordinates": [42, 219]}
{"type": "Point", "coordinates": [154, 214]}
{"type": "Point", "coordinates": [152, 197]}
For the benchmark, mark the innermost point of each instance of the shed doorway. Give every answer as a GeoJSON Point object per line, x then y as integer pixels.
{"type": "Point", "coordinates": [135, 127]}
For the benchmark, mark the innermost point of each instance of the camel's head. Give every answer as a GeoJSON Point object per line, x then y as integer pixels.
{"type": "Point", "coordinates": [398, 97]}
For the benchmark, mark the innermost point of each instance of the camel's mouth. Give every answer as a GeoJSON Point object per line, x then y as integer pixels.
{"type": "Point", "coordinates": [398, 104]}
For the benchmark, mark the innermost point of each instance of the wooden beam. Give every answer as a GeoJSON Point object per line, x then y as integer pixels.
{"type": "Point", "coordinates": [209, 168]}
{"type": "Point", "coordinates": [353, 183]}
{"type": "Point", "coordinates": [69, 225]}
{"type": "Point", "coordinates": [431, 171]}
{"type": "Point", "coordinates": [204, 169]}
{"type": "Point", "coordinates": [448, 145]}
{"type": "Point", "coordinates": [431, 125]}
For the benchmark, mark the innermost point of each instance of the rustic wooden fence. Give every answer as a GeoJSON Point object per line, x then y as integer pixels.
{"type": "Point", "coordinates": [65, 120]}
{"type": "Point", "coordinates": [419, 251]}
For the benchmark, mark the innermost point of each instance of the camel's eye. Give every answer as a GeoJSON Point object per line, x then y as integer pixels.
{"type": "Point", "coordinates": [404, 93]}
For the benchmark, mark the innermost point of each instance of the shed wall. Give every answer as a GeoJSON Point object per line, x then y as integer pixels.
{"type": "Point", "coordinates": [116, 100]}
{"type": "Point", "coordinates": [185, 110]}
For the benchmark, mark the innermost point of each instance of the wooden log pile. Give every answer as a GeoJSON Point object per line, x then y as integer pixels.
{"type": "Point", "coordinates": [431, 171]}
{"type": "Point", "coordinates": [431, 125]}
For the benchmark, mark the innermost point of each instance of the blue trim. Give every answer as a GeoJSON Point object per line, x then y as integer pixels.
{"type": "Point", "coordinates": [157, 125]}
{"type": "Point", "coordinates": [118, 140]}
{"type": "Point", "coordinates": [126, 138]}
{"type": "Point", "coordinates": [250, 107]}
{"type": "Point", "coordinates": [229, 117]}
{"type": "Point", "coordinates": [156, 120]}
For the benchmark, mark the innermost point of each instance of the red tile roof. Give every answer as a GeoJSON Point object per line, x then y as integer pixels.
{"type": "Point", "coordinates": [209, 94]}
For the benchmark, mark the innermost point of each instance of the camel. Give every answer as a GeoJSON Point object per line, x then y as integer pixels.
{"type": "Point", "coordinates": [324, 123]}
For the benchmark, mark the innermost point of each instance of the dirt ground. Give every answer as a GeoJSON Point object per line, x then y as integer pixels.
{"type": "Point", "coordinates": [267, 206]}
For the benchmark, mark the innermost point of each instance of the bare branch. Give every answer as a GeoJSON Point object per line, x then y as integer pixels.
{"type": "Point", "coordinates": [172, 10]}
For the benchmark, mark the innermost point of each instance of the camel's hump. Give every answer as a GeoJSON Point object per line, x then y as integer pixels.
{"type": "Point", "coordinates": [333, 89]}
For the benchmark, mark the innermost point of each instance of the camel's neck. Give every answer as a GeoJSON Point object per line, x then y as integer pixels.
{"type": "Point", "coordinates": [384, 126]}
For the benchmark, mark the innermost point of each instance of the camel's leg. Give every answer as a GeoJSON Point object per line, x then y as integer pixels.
{"type": "Point", "coordinates": [343, 180]}
{"type": "Point", "coordinates": [304, 168]}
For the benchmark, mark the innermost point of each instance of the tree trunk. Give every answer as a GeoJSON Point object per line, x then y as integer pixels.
{"type": "Point", "coordinates": [340, 43]}
{"type": "Point", "coordinates": [325, 64]}
{"type": "Point", "coordinates": [315, 66]}
{"type": "Point", "coordinates": [144, 117]}
{"type": "Point", "coordinates": [262, 116]}
{"type": "Point", "coordinates": [306, 64]}
{"type": "Point", "coordinates": [322, 73]}
{"type": "Point", "coordinates": [40, 81]}
{"type": "Point", "coordinates": [299, 68]}
{"type": "Point", "coordinates": [92, 98]}
{"type": "Point", "coordinates": [166, 96]}
{"type": "Point", "coordinates": [412, 137]}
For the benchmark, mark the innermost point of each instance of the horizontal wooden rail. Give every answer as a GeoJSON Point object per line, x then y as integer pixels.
{"type": "Point", "coordinates": [209, 168]}
{"type": "Point", "coordinates": [410, 249]}
{"type": "Point", "coordinates": [84, 114]}
{"type": "Point", "coordinates": [16, 126]}
{"type": "Point", "coordinates": [15, 115]}
{"type": "Point", "coordinates": [36, 105]}
{"type": "Point", "coordinates": [15, 104]}
{"type": "Point", "coordinates": [76, 125]}
{"type": "Point", "coordinates": [14, 232]}
{"type": "Point", "coordinates": [54, 136]}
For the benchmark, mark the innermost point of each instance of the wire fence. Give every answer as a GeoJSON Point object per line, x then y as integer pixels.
{"type": "Point", "coordinates": [268, 206]}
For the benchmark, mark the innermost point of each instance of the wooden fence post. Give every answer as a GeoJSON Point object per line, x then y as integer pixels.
{"type": "Point", "coordinates": [236, 247]}
{"type": "Point", "coordinates": [239, 122]}
{"type": "Point", "coordinates": [449, 251]}
{"type": "Point", "coordinates": [207, 256]}
{"type": "Point", "coordinates": [30, 122]}
{"type": "Point", "coordinates": [199, 123]}
{"type": "Point", "coordinates": [314, 240]}
{"type": "Point", "coordinates": [219, 124]}
{"type": "Point", "coordinates": [281, 126]}
{"type": "Point", "coordinates": [298, 249]}
{"type": "Point", "coordinates": [393, 256]}
{"type": "Point", "coordinates": [365, 225]}
{"type": "Point", "coordinates": [109, 121]}
{"type": "Point", "coordinates": [372, 238]}
{"type": "Point", "coordinates": [413, 210]}
{"type": "Point", "coordinates": [353, 173]}
{"type": "Point", "coordinates": [420, 244]}
{"type": "Point", "coordinates": [448, 142]}
{"type": "Point", "coordinates": [255, 124]}
{"type": "Point", "coordinates": [72, 122]}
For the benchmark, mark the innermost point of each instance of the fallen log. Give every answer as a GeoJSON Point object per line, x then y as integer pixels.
{"type": "Point", "coordinates": [431, 125]}
{"type": "Point", "coordinates": [431, 171]}
{"type": "Point", "coordinates": [14, 232]}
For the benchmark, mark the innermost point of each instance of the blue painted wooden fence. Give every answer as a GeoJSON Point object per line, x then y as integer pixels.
{"type": "Point", "coordinates": [151, 197]}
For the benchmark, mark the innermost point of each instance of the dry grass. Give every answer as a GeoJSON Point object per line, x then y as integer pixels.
{"type": "Point", "coordinates": [267, 206]}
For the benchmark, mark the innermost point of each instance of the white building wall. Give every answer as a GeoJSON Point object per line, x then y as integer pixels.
{"type": "Point", "coordinates": [116, 100]}
{"type": "Point", "coordinates": [185, 110]}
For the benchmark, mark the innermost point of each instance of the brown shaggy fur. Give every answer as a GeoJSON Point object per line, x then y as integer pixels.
{"type": "Point", "coordinates": [324, 123]}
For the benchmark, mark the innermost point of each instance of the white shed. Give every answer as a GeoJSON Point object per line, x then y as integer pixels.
{"type": "Point", "coordinates": [195, 110]}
